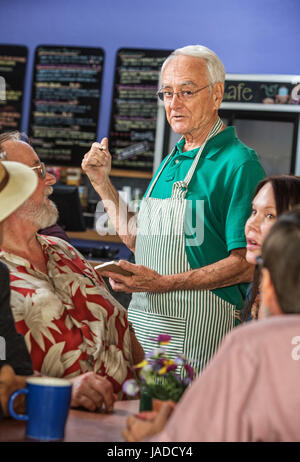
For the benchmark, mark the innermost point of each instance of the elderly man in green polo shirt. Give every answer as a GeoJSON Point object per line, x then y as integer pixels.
{"type": "Point", "coordinates": [188, 238]}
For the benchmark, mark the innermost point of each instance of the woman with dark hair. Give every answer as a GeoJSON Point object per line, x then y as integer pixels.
{"type": "Point", "coordinates": [274, 195]}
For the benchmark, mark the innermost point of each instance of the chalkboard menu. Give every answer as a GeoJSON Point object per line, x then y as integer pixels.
{"type": "Point", "coordinates": [134, 109]}
{"type": "Point", "coordinates": [279, 90]}
{"type": "Point", "coordinates": [13, 60]}
{"type": "Point", "coordinates": [65, 102]}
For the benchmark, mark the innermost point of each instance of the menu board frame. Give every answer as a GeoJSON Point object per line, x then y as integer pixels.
{"type": "Point", "coordinates": [135, 163]}
{"type": "Point", "coordinates": [13, 108]}
{"type": "Point", "coordinates": [75, 148]}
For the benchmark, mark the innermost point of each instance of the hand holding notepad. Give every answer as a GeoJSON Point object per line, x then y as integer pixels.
{"type": "Point", "coordinates": [112, 266]}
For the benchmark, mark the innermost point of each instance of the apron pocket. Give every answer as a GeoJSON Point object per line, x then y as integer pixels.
{"type": "Point", "coordinates": [149, 325]}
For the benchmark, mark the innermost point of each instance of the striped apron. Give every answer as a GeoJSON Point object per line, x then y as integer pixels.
{"type": "Point", "coordinates": [197, 320]}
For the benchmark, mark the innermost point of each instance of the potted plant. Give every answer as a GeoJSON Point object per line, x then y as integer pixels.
{"type": "Point", "coordinates": [160, 377]}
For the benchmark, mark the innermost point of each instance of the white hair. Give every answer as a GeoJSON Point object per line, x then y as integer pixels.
{"type": "Point", "coordinates": [10, 136]}
{"type": "Point", "coordinates": [215, 69]}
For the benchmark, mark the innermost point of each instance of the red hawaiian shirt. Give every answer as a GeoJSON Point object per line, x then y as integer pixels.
{"type": "Point", "coordinates": [70, 321]}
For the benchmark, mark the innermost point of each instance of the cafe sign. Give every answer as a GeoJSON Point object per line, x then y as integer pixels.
{"type": "Point", "coordinates": [282, 92]}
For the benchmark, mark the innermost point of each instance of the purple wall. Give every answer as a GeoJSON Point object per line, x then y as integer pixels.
{"type": "Point", "coordinates": [257, 37]}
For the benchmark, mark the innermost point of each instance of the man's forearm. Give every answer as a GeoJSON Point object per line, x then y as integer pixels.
{"type": "Point", "coordinates": [117, 210]}
{"type": "Point", "coordinates": [227, 272]}
{"type": "Point", "coordinates": [97, 165]}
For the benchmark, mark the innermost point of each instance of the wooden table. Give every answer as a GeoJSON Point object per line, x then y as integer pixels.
{"type": "Point", "coordinates": [81, 425]}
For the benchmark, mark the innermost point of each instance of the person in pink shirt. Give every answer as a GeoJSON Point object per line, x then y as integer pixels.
{"type": "Point", "coordinates": [250, 389]}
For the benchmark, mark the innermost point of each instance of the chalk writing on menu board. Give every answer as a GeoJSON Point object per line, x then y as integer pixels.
{"type": "Point", "coordinates": [261, 92]}
{"type": "Point", "coordinates": [134, 110]}
{"type": "Point", "coordinates": [65, 102]}
{"type": "Point", "coordinates": [12, 77]}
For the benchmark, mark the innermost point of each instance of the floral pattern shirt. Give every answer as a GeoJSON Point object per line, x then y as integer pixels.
{"type": "Point", "coordinates": [70, 321]}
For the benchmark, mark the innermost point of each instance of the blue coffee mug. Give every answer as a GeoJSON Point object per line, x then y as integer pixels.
{"type": "Point", "coordinates": [47, 404]}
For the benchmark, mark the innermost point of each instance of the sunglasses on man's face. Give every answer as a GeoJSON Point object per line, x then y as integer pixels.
{"type": "Point", "coordinates": [41, 170]}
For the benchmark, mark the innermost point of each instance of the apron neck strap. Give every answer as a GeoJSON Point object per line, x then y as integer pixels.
{"type": "Point", "coordinates": [213, 132]}
{"type": "Point", "coordinates": [183, 185]}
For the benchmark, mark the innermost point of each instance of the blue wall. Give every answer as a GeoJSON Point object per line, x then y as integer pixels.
{"type": "Point", "coordinates": [257, 36]}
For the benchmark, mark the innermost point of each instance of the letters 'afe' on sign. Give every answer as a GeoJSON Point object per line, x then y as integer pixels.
{"type": "Point", "coordinates": [266, 92]}
{"type": "Point", "coordinates": [267, 97]}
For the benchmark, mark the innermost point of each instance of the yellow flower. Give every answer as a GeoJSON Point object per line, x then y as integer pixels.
{"type": "Point", "coordinates": [167, 363]}
{"type": "Point", "coordinates": [141, 364]}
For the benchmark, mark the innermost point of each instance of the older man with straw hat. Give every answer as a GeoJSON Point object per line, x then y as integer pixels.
{"type": "Point", "coordinates": [17, 183]}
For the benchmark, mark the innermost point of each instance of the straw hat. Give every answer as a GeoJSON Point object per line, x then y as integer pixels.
{"type": "Point", "coordinates": [17, 183]}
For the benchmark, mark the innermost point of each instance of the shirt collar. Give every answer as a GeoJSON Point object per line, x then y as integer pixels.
{"type": "Point", "coordinates": [15, 259]}
{"type": "Point", "coordinates": [179, 147]}
{"type": "Point", "coordinates": [214, 144]}
{"type": "Point", "coordinates": [21, 261]}
{"type": "Point", "coordinates": [49, 246]}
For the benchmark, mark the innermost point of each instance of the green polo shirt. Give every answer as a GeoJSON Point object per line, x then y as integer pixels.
{"type": "Point", "coordinates": [225, 180]}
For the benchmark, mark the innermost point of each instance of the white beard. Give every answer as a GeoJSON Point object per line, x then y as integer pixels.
{"type": "Point", "coordinates": [41, 215]}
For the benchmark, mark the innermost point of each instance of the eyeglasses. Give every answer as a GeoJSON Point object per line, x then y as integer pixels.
{"type": "Point", "coordinates": [41, 170]}
{"type": "Point", "coordinates": [166, 95]}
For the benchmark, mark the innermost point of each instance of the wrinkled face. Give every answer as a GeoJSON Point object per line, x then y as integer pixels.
{"type": "Point", "coordinates": [38, 208]}
{"type": "Point", "coordinates": [261, 220]}
{"type": "Point", "coordinates": [188, 73]}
